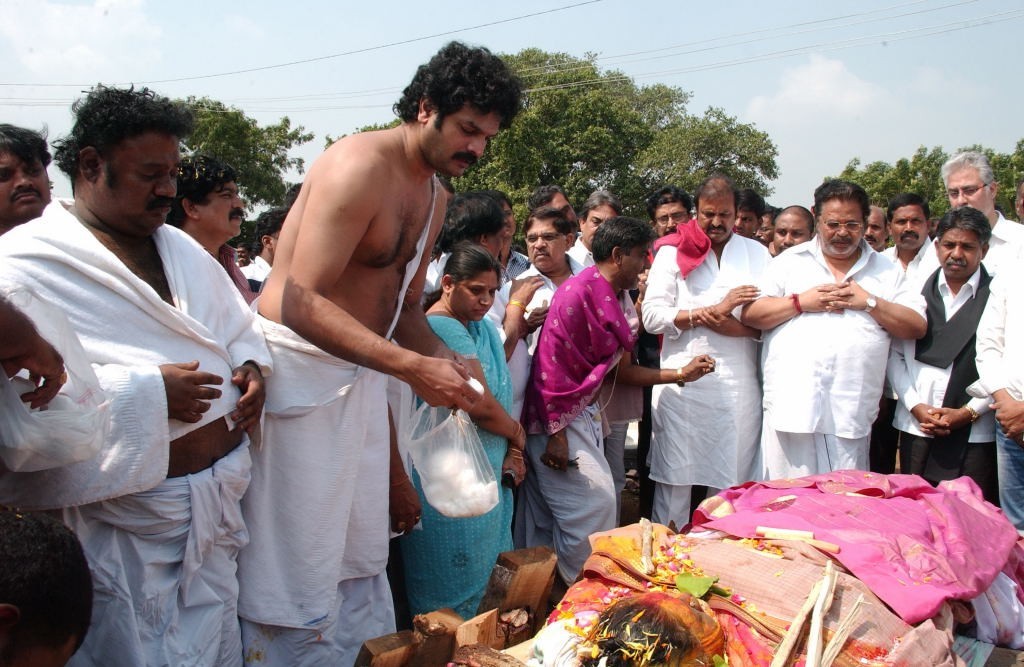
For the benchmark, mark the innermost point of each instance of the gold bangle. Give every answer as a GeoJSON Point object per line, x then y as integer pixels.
{"type": "Point", "coordinates": [518, 304]}
{"type": "Point", "coordinates": [679, 377]}
{"type": "Point", "coordinates": [974, 413]}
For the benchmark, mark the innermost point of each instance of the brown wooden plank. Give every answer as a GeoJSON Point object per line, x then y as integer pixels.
{"type": "Point", "coordinates": [435, 637]}
{"type": "Point", "coordinates": [481, 629]}
{"type": "Point", "coordinates": [521, 578]}
{"type": "Point", "coordinates": [392, 650]}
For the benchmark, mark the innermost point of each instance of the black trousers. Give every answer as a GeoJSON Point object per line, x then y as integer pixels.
{"type": "Point", "coordinates": [978, 462]}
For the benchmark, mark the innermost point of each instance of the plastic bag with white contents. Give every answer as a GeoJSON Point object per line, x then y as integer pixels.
{"type": "Point", "coordinates": [74, 425]}
{"type": "Point", "coordinates": [455, 476]}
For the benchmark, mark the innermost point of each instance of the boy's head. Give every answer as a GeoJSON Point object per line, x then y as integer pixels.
{"type": "Point", "coordinates": [45, 590]}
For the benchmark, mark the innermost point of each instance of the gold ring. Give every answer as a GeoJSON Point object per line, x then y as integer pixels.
{"type": "Point", "coordinates": [64, 377]}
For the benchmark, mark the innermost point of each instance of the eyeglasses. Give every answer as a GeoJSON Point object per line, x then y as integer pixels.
{"type": "Point", "coordinates": [966, 191]}
{"type": "Point", "coordinates": [548, 237]}
{"type": "Point", "coordinates": [850, 226]}
{"type": "Point", "coordinates": [676, 216]}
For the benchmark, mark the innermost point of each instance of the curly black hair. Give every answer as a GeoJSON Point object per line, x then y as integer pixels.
{"type": "Point", "coordinates": [107, 116]}
{"type": "Point", "coordinates": [24, 144]}
{"type": "Point", "coordinates": [458, 75]}
{"type": "Point", "coordinates": [198, 176]}
{"type": "Point", "coordinates": [43, 572]}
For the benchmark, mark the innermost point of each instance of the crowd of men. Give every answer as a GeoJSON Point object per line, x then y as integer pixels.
{"type": "Point", "coordinates": [237, 509]}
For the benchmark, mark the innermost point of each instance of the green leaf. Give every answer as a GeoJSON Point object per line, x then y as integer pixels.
{"type": "Point", "coordinates": [694, 585]}
{"type": "Point", "coordinates": [719, 661]}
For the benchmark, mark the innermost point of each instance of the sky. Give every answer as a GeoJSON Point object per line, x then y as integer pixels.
{"type": "Point", "coordinates": [828, 81]}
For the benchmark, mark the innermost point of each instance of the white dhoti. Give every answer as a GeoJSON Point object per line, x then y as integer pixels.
{"type": "Point", "coordinates": [365, 610]}
{"type": "Point", "coordinates": [801, 454]}
{"type": "Point", "coordinates": [163, 567]}
{"type": "Point", "coordinates": [562, 509]}
{"type": "Point", "coordinates": [317, 509]}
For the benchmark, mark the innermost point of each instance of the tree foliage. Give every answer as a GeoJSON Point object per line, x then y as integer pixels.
{"type": "Point", "coordinates": [258, 154]}
{"type": "Point", "coordinates": [921, 174]}
{"type": "Point", "coordinates": [585, 129]}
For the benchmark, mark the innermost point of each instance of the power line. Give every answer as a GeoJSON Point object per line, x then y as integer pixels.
{"type": "Point", "coordinates": [334, 55]}
{"type": "Point", "coordinates": [257, 104]}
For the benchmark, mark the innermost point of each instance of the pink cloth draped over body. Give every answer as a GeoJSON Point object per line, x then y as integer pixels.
{"type": "Point", "coordinates": [583, 337]}
{"type": "Point", "coordinates": [914, 545]}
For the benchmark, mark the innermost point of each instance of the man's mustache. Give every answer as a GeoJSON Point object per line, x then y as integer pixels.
{"type": "Point", "coordinates": [159, 202]}
{"type": "Point", "coordinates": [237, 213]}
{"type": "Point", "coordinates": [22, 190]}
{"type": "Point", "coordinates": [466, 157]}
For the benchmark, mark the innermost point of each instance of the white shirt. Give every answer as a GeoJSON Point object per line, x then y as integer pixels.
{"type": "Point", "coordinates": [917, 382]}
{"type": "Point", "coordinates": [823, 372]}
{"type": "Point", "coordinates": [258, 269]}
{"type": "Point", "coordinates": [1006, 247]}
{"type": "Point", "coordinates": [743, 261]}
{"type": "Point", "coordinates": [694, 445]}
{"type": "Point", "coordinates": [581, 253]}
{"type": "Point", "coordinates": [1000, 344]}
{"type": "Point", "coordinates": [920, 268]}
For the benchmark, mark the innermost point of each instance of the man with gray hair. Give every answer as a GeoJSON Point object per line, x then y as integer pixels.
{"type": "Point", "coordinates": [969, 181]}
{"type": "Point", "coordinates": [601, 205]}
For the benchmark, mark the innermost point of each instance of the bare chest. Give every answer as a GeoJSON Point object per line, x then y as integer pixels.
{"type": "Point", "coordinates": [393, 237]}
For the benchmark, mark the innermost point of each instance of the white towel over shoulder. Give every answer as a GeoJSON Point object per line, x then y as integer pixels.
{"type": "Point", "coordinates": [128, 331]}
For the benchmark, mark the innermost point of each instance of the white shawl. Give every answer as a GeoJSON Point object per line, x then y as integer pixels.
{"type": "Point", "coordinates": [128, 331]}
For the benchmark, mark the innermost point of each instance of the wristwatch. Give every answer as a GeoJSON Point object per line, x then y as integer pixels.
{"type": "Point", "coordinates": [871, 303]}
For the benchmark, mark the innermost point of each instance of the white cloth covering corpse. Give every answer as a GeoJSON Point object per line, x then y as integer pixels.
{"type": "Point", "coordinates": [127, 332]}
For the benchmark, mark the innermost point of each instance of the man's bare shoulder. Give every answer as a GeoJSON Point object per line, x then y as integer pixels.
{"type": "Point", "coordinates": [367, 154]}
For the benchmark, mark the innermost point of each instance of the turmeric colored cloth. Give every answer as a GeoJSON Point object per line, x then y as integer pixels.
{"type": "Point", "coordinates": [765, 587]}
{"type": "Point", "coordinates": [914, 545]}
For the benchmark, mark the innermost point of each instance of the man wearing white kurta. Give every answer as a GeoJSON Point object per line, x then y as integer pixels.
{"type": "Point", "coordinates": [970, 181]}
{"type": "Point", "coordinates": [913, 252]}
{"type": "Point", "coordinates": [829, 309]}
{"type": "Point", "coordinates": [706, 433]}
{"type": "Point", "coordinates": [181, 358]}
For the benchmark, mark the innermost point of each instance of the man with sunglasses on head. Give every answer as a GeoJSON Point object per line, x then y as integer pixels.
{"type": "Point", "coordinates": [970, 181]}
{"type": "Point", "coordinates": [829, 310]}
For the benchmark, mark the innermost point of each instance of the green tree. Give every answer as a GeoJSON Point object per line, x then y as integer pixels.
{"type": "Point", "coordinates": [922, 174]}
{"type": "Point", "coordinates": [585, 129]}
{"type": "Point", "coordinates": [258, 154]}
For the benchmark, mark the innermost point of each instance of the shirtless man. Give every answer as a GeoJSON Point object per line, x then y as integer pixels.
{"type": "Point", "coordinates": [347, 277]}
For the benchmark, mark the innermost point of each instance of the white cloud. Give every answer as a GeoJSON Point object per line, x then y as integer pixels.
{"type": "Point", "coordinates": [820, 88]}
{"type": "Point", "coordinates": [103, 40]}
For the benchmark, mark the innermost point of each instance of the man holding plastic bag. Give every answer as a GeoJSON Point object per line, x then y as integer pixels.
{"type": "Point", "coordinates": [569, 493]}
